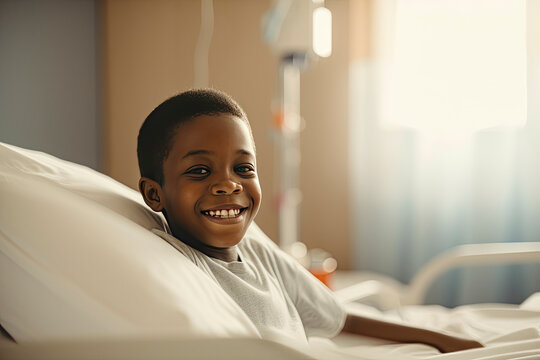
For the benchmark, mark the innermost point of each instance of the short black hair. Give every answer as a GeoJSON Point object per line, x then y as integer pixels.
{"type": "Point", "coordinates": [158, 130]}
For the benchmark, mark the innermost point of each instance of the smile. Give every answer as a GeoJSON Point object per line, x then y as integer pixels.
{"type": "Point", "coordinates": [225, 213]}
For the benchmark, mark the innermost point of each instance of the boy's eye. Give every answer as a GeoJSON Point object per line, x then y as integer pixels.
{"type": "Point", "coordinates": [243, 169]}
{"type": "Point", "coordinates": [197, 171]}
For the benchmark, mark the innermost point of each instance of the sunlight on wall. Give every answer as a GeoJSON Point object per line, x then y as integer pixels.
{"type": "Point", "coordinates": [455, 67]}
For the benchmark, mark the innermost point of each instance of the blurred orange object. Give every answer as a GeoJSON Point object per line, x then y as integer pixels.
{"type": "Point", "coordinates": [322, 265]}
{"type": "Point", "coordinates": [326, 277]}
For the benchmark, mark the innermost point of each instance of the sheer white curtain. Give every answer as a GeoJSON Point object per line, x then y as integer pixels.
{"type": "Point", "coordinates": [445, 141]}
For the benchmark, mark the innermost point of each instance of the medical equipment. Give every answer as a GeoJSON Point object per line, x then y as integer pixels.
{"type": "Point", "coordinates": [299, 32]}
{"type": "Point", "coordinates": [388, 294]}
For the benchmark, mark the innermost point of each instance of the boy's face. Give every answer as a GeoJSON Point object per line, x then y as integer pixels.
{"type": "Point", "coordinates": [211, 190]}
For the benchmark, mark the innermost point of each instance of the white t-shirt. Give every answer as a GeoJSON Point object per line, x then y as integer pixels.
{"type": "Point", "coordinates": [283, 300]}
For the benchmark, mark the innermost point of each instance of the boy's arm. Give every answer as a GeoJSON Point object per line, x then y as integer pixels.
{"type": "Point", "coordinates": [407, 334]}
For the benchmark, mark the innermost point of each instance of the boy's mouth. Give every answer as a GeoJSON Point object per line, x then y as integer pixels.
{"type": "Point", "coordinates": [224, 213]}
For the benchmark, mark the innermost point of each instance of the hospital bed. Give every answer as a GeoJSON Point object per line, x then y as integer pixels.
{"type": "Point", "coordinates": [82, 276]}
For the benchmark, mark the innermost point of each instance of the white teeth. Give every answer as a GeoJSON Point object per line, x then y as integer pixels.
{"type": "Point", "coordinates": [223, 214]}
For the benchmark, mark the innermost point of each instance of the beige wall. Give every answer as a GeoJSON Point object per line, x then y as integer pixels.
{"type": "Point", "coordinates": [148, 56]}
{"type": "Point", "coordinates": [149, 47]}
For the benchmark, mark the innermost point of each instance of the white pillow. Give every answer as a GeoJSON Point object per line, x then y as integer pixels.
{"type": "Point", "coordinates": [77, 260]}
{"type": "Point", "coordinates": [80, 180]}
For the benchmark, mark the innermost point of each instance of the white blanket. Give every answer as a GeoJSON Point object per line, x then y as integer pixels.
{"type": "Point", "coordinates": [507, 331]}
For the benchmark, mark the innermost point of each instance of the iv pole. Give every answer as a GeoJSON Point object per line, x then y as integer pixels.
{"type": "Point", "coordinates": [289, 126]}
{"type": "Point", "coordinates": [299, 31]}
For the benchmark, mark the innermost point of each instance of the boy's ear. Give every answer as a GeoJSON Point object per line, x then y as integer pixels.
{"type": "Point", "coordinates": [152, 193]}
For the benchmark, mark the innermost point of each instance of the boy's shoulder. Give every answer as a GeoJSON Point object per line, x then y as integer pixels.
{"type": "Point", "coordinates": [266, 250]}
{"type": "Point", "coordinates": [254, 233]}
{"type": "Point", "coordinates": [255, 237]}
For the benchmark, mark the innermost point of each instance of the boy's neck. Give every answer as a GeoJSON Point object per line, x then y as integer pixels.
{"type": "Point", "coordinates": [228, 254]}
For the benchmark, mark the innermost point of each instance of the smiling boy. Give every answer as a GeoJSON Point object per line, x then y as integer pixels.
{"type": "Point", "coordinates": [210, 192]}
{"type": "Point", "coordinates": [198, 167]}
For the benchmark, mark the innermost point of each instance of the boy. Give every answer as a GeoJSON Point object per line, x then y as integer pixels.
{"type": "Point", "coordinates": [198, 167]}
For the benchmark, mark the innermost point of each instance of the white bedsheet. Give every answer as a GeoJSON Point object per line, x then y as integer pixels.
{"type": "Point", "coordinates": [507, 331]}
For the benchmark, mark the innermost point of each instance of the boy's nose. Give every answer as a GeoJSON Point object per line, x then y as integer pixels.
{"type": "Point", "coordinates": [226, 187]}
